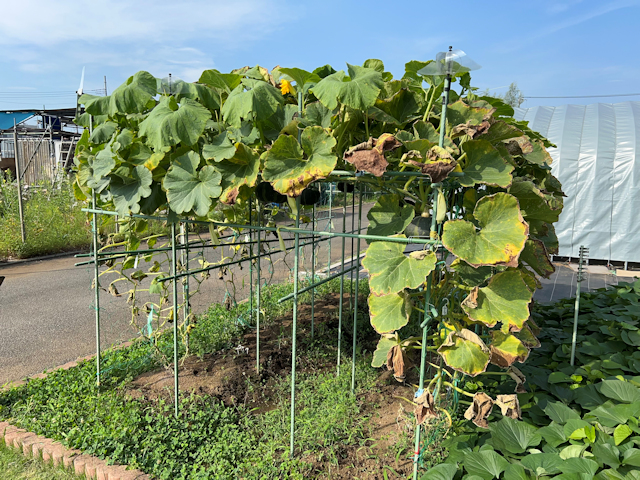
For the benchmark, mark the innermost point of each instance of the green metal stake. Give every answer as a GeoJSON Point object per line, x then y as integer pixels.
{"type": "Point", "coordinates": [423, 363]}
{"type": "Point", "coordinates": [355, 300]}
{"type": "Point", "coordinates": [353, 227]}
{"type": "Point", "coordinates": [258, 286]}
{"type": "Point", "coordinates": [583, 252]}
{"type": "Point", "coordinates": [329, 226]}
{"type": "Point", "coordinates": [344, 229]}
{"type": "Point", "coordinates": [294, 326]}
{"type": "Point", "coordinates": [96, 280]}
{"type": "Point", "coordinates": [184, 258]}
{"type": "Point", "coordinates": [250, 263]}
{"type": "Point", "coordinates": [313, 270]}
{"type": "Point", "coordinates": [174, 265]}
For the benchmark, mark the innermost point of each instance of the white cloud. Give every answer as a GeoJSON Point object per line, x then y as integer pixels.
{"type": "Point", "coordinates": [46, 23]}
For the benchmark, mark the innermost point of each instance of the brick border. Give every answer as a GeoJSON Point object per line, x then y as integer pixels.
{"type": "Point", "coordinates": [51, 451]}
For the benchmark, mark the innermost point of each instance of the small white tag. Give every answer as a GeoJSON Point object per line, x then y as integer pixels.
{"type": "Point", "coordinates": [444, 310]}
{"type": "Point", "coordinates": [135, 264]}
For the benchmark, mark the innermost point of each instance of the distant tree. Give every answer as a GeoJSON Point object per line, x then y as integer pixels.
{"type": "Point", "coordinates": [514, 96]}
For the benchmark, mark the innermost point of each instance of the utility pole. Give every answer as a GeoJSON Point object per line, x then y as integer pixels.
{"type": "Point", "coordinates": [16, 156]}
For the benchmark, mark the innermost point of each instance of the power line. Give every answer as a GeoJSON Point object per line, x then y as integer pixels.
{"type": "Point", "coordinates": [591, 96]}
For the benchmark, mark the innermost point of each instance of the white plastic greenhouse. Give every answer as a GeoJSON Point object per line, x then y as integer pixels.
{"type": "Point", "coordinates": [597, 159]}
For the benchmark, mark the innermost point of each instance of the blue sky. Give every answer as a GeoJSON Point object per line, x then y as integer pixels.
{"type": "Point", "coordinates": [550, 48]}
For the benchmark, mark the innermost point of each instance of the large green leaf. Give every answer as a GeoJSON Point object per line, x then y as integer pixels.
{"type": "Point", "coordinates": [502, 234]}
{"type": "Point", "coordinates": [459, 113]}
{"type": "Point", "coordinates": [128, 191]}
{"type": "Point", "coordinates": [169, 124]}
{"type": "Point", "coordinates": [290, 168]}
{"type": "Point", "coordinates": [444, 471]}
{"type": "Point", "coordinates": [241, 169]}
{"type": "Point", "coordinates": [133, 96]}
{"type": "Point", "coordinates": [486, 464]}
{"type": "Point", "coordinates": [485, 165]}
{"type": "Point", "coordinates": [606, 454]}
{"type": "Point", "coordinates": [534, 203]}
{"type": "Point", "coordinates": [303, 79]}
{"type": "Point", "coordinates": [189, 188]}
{"type": "Point", "coordinates": [219, 149]}
{"type": "Point", "coordinates": [513, 436]}
{"type": "Point", "coordinates": [103, 133]}
{"type": "Point", "coordinates": [560, 413]}
{"type": "Point", "coordinates": [506, 299]}
{"type": "Point", "coordinates": [471, 276]}
{"type": "Point", "coordinates": [388, 217]}
{"type": "Point", "coordinates": [391, 271]}
{"type": "Point", "coordinates": [613, 415]}
{"type": "Point", "coordinates": [631, 457]}
{"type": "Point", "coordinates": [389, 312]}
{"type": "Point", "coordinates": [358, 92]}
{"type": "Point", "coordinates": [317, 114]}
{"type": "Point", "coordinates": [380, 355]}
{"type": "Point", "coordinates": [221, 81]}
{"type": "Point", "coordinates": [258, 103]}
{"type": "Point", "coordinates": [465, 352]}
{"type": "Point", "coordinates": [402, 107]}
{"type": "Point", "coordinates": [620, 390]}
{"type": "Point", "coordinates": [97, 168]}
{"type": "Point", "coordinates": [553, 434]}
{"type": "Point", "coordinates": [542, 463]}
{"type": "Point", "coordinates": [579, 465]}
{"type": "Point", "coordinates": [535, 255]}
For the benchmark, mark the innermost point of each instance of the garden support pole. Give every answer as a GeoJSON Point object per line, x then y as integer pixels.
{"type": "Point", "coordinates": [258, 286]}
{"type": "Point", "coordinates": [174, 265]}
{"type": "Point", "coordinates": [423, 364]}
{"type": "Point", "coordinates": [16, 156]}
{"type": "Point", "coordinates": [294, 327]}
{"type": "Point", "coordinates": [184, 259]}
{"type": "Point", "coordinates": [355, 300]}
{"type": "Point", "coordinates": [313, 270]}
{"type": "Point", "coordinates": [329, 225]}
{"type": "Point", "coordinates": [576, 312]}
{"type": "Point", "coordinates": [96, 283]}
{"type": "Point", "coordinates": [344, 229]}
{"type": "Point", "coordinates": [250, 262]}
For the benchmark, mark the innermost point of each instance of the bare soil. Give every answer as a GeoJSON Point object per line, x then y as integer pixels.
{"type": "Point", "coordinates": [231, 377]}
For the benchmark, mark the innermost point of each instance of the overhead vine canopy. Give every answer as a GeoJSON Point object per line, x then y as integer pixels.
{"type": "Point", "coordinates": [191, 148]}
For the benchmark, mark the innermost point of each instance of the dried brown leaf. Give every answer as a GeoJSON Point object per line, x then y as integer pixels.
{"type": "Point", "coordinates": [472, 299]}
{"type": "Point", "coordinates": [472, 130]}
{"type": "Point", "coordinates": [480, 409]}
{"type": "Point", "coordinates": [426, 407]}
{"type": "Point", "coordinates": [369, 156]}
{"type": "Point", "coordinates": [396, 362]}
{"type": "Point", "coordinates": [509, 405]}
{"type": "Point", "coordinates": [517, 377]}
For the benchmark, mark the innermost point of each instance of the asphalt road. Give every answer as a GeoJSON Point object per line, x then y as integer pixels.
{"type": "Point", "coordinates": [47, 313]}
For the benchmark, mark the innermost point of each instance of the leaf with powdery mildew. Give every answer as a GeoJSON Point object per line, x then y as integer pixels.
{"type": "Point", "coordinates": [241, 169]}
{"type": "Point", "coordinates": [391, 271]}
{"type": "Point", "coordinates": [500, 239]}
{"type": "Point", "coordinates": [506, 349]}
{"type": "Point", "coordinates": [485, 165]}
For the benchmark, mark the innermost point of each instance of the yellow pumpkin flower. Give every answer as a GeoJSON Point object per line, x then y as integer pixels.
{"type": "Point", "coordinates": [285, 86]}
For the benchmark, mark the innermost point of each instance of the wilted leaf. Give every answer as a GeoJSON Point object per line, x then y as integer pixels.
{"type": "Point", "coordinates": [390, 271]}
{"type": "Point", "coordinates": [518, 377]}
{"type": "Point", "coordinates": [506, 349]}
{"type": "Point", "coordinates": [380, 355]}
{"type": "Point", "coordinates": [480, 409]}
{"type": "Point", "coordinates": [396, 362]}
{"type": "Point", "coordinates": [290, 168]}
{"type": "Point", "coordinates": [425, 407]}
{"type": "Point", "coordinates": [369, 156]}
{"type": "Point", "coordinates": [239, 170]}
{"type": "Point", "coordinates": [502, 234]}
{"type": "Point", "coordinates": [506, 299]}
{"type": "Point", "coordinates": [465, 352]}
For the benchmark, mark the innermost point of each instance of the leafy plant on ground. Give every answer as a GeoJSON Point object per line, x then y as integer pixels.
{"type": "Point", "coordinates": [577, 422]}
